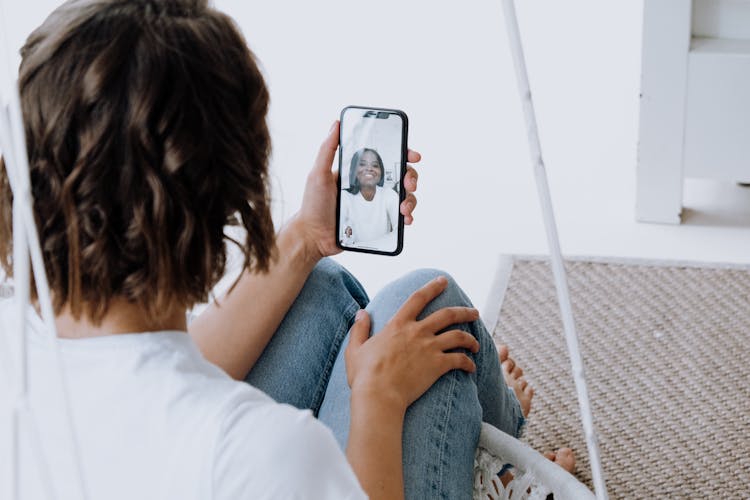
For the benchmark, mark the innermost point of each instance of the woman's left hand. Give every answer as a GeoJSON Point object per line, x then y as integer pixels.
{"type": "Point", "coordinates": [316, 219]}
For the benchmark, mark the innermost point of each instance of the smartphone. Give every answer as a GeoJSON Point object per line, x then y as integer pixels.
{"type": "Point", "coordinates": [372, 165]}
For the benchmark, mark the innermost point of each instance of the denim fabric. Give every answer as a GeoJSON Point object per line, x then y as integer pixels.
{"type": "Point", "coordinates": [296, 365]}
{"type": "Point", "coordinates": [303, 365]}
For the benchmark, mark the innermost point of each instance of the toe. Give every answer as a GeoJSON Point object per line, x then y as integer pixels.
{"type": "Point", "coordinates": [529, 392]}
{"type": "Point", "coordinates": [550, 455]}
{"type": "Point", "coordinates": [566, 459]}
{"type": "Point", "coordinates": [517, 371]}
{"type": "Point", "coordinates": [502, 353]}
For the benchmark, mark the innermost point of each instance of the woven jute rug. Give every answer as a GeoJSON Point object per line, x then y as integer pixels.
{"type": "Point", "coordinates": [666, 350]}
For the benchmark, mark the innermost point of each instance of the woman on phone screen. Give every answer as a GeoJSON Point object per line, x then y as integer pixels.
{"type": "Point", "coordinates": [369, 210]}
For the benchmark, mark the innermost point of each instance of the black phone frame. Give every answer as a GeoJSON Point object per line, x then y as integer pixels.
{"type": "Point", "coordinates": [401, 189]}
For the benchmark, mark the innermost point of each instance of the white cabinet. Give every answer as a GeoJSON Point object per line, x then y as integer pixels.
{"type": "Point", "coordinates": [695, 100]}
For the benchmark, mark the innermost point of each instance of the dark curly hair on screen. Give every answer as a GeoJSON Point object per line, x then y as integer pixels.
{"type": "Point", "coordinates": [146, 135]}
{"type": "Point", "coordinates": [353, 181]}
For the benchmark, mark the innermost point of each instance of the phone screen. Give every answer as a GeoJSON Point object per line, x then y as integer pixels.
{"type": "Point", "coordinates": [372, 161]}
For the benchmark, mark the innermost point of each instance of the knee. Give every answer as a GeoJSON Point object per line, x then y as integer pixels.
{"type": "Point", "coordinates": [326, 271]}
{"type": "Point", "coordinates": [392, 297]}
{"type": "Point", "coordinates": [329, 278]}
{"type": "Point", "coordinates": [426, 274]}
{"type": "Point", "coordinates": [452, 296]}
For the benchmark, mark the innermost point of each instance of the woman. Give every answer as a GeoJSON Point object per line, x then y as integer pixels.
{"type": "Point", "coordinates": [146, 130]}
{"type": "Point", "coordinates": [369, 212]}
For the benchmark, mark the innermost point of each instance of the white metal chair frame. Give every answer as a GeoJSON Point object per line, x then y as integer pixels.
{"type": "Point", "coordinates": [535, 476]}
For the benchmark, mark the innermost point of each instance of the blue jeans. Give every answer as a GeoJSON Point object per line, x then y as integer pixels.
{"type": "Point", "coordinates": [303, 365]}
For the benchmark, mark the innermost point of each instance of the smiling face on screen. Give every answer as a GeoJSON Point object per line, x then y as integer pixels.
{"type": "Point", "coordinates": [369, 170]}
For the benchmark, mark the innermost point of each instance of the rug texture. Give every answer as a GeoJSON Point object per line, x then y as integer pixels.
{"type": "Point", "coordinates": [666, 350]}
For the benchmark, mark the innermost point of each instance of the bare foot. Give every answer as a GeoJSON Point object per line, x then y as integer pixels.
{"type": "Point", "coordinates": [563, 457]}
{"type": "Point", "coordinates": [514, 378]}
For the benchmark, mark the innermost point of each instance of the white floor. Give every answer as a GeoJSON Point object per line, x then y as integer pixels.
{"type": "Point", "coordinates": [448, 67]}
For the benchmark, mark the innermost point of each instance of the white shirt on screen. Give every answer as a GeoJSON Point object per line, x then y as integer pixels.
{"type": "Point", "coordinates": [370, 220]}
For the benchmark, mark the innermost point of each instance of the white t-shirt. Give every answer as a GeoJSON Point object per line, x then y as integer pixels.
{"type": "Point", "coordinates": [370, 220]}
{"type": "Point", "coordinates": [155, 420]}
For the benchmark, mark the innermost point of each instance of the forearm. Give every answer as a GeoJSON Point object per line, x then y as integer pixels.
{"type": "Point", "coordinates": [374, 449]}
{"type": "Point", "coordinates": [233, 332]}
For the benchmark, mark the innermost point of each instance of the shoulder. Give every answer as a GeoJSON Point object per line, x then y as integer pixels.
{"type": "Point", "coordinates": [347, 197]}
{"type": "Point", "coordinates": [274, 450]}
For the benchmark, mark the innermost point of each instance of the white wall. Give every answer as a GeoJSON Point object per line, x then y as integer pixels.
{"type": "Point", "coordinates": [448, 66]}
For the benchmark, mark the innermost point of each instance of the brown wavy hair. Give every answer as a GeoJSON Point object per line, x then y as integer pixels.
{"type": "Point", "coordinates": [146, 135]}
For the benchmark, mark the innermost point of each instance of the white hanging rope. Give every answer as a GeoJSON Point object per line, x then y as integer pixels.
{"type": "Point", "coordinates": [21, 386]}
{"type": "Point", "coordinates": [6, 348]}
{"type": "Point", "coordinates": [25, 241]}
{"type": "Point", "coordinates": [23, 421]}
{"type": "Point", "coordinates": [553, 241]}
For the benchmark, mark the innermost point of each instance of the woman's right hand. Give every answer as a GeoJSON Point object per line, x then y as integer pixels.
{"type": "Point", "coordinates": [406, 357]}
{"type": "Point", "coordinates": [315, 223]}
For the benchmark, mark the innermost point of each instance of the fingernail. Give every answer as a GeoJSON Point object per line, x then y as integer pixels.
{"type": "Point", "coordinates": [360, 315]}
{"type": "Point", "coordinates": [333, 126]}
{"type": "Point", "coordinates": [441, 279]}
{"type": "Point", "coordinates": [410, 206]}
